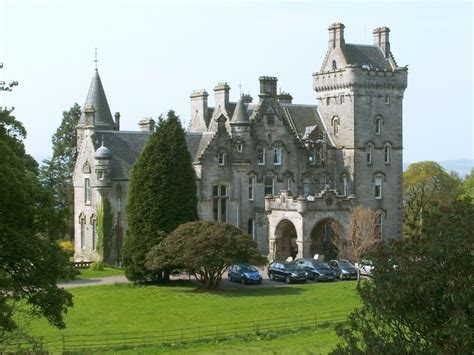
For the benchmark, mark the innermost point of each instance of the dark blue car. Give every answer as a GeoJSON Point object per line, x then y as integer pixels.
{"type": "Point", "coordinates": [244, 273]}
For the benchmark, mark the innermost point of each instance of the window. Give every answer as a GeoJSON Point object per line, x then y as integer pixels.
{"type": "Point", "coordinates": [341, 99]}
{"type": "Point", "coordinates": [378, 125]}
{"type": "Point", "coordinates": [269, 185]}
{"type": "Point", "coordinates": [368, 152]}
{"type": "Point", "coordinates": [324, 181]}
{"type": "Point", "coordinates": [221, 158]}
{"type": "Point", "coordinates": [219, 203]}
{"type": "Point", "coordinates": [335, 124]}
{"type": "Point", "coordinates": [386, 154]}
{"type": "Point", "coordinates": [289, 182]}
{"type": "Point", "coordinates": [379, 225]}
{"type": "Point", "coordinates": [345, 185]}
{"type": "Point", "coordinates": [82, 222]}
{"type": "Point", "coordinates": [271, 120]}
{"type": "Point", "coordinates": [94, 231]}
{"type": "Point", "coordinates": [334, 65]}
{"type": "Point", "coordinates": [277, 156]}
{"type": "Point", "coordinates": [261, 155]}
{"type": "Point", "coordinates": [251, 228]}
{"type": "Point", "coordinates": [307, 187]}
{"type": "Point", "coordinates": [87, 191]}
{"type": "Point", "coordinates": [387, 100]}
{"type": "Point", "coordinates": [239, 147]}
{"type": "Point", "coordinates": [378, 181]}
{"type": "Point", "coordinates": [251, 188]}
{"type": "Point", "coordinates": [328, 101]}
{"type": "Point", "coordinates": [100, 174]}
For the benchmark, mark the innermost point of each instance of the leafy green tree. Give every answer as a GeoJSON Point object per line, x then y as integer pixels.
{"type": "Point", "coordinates": [31, 261]}
{"type": "Point", "coordinates": [468, 184]}
{"type": "Point", "coordinates": [162, 195]}
{"type": "Point", "coordinates": [205, 249]}
{"type": "Point", "coordinates": [420, 298]}
{"type": "Point", "coordinates": [57, 173]}
{"type": "Point", "coordinates": [425, 184]}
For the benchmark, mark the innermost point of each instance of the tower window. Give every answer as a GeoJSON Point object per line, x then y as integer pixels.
{"type": "Point", "coordinates": [269, 185]}
{"type": "Point", "coordinates": [334, 65]}
{"type": "Point", "coordinates": [219, 203]}
{"type": "Point", "coordinates": [251, 188]}
{"type": "Point", "coordinates": [277, 156]}
{"type": "Point", "coordinates": [87, 191]}
{"type": "Point", "coordinates": [386, 154]}
{"type": "Point", "coordinates": [261, 155]}
{"type": "Point", "coordinates": [378, 125]}
{"type": "Point", "coordinates": [368, 153]}
{"type": "Point", "coordinates": [379, 217]}
{"type": "Point", "coordinates": [239, 147]}
{"type": "Point", "coordinates": [378, 182]}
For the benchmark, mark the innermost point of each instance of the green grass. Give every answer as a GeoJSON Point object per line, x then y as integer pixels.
{"type": "Point", "coordinates": [92, 274]}
{"type": "Point", "coordinates": [126, 308]}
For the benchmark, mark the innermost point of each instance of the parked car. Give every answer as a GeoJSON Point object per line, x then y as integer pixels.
{"type": "Point", "coordinates": [244, 273]}
{"type": "Point", "coordinates": [316, 269]}
{"type": "Point", "coordinates": [289, 272]}
{"type": "Point", "coordinates": [344, 269]}
{"type": "Point", "coordinates": [366, 267]}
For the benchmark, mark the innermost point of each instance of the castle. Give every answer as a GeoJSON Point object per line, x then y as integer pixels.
{"type": "Point", "coordinates": [286, 173]}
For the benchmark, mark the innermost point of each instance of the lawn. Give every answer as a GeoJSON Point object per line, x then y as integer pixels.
{"type": "Point", "coordinates": [126, 308]}
{"type": "Point", "coordinates": [94, 274]}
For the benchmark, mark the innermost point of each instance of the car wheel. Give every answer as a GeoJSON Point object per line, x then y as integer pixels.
{"type": "Point", "coordinates": [288, 280]}
{"type": "Point", "coordinates": [341, 276]}
{"type": "Point", "coordinates": [272, 276]}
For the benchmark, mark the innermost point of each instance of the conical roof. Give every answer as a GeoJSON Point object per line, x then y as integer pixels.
{"type": "Point", "coordinates": [240, 113]}
{"type": "Point", "coordinates": [96, 97]}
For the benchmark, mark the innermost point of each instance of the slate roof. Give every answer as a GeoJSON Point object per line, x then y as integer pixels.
{"type": "Point", "coordinates": [127, 146]}
{"type": "Point", "coordinates": [303, 116]}
{"type": "Point", "coordinates": [240, 114]}
{"type": "Point", "coordinates": [96, 97]}
{"type": "Point", "coordinates": [372, 56]}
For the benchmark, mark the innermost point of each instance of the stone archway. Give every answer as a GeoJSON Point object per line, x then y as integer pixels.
{"type": "Point", "coordinates": [323, 239]}
{"type": "Point", "coordinates": [285, 241]}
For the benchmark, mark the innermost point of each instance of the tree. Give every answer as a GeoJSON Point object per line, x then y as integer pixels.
{"type": "Point", "coordinates": [31, 261]}
{"type": "Point", "coordinates": [205, 249]}
{"type": "Point", "coordinates": [56, 174]}
{"type": "Point", "coordinates": [361, 237]}
{"type": "Point", "coordinates": [162, 195]}
{"type": "Point", "coordinates": [425, 184]}
{"type": "Point", "coordinates": [468, 184]}
{"type": "Point", "coordinates": [420, 297]}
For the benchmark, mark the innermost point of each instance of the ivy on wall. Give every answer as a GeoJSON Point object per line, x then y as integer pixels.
{"type": "Point", "coordinates": [104, 229]}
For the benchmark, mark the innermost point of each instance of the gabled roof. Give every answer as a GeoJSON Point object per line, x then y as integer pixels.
{"type": "Point", "coordinates": [96, 97]}
{"type": "Point", "coordinates": [366, 55]}
{"type": "Point", "coordinates": [302, 116]}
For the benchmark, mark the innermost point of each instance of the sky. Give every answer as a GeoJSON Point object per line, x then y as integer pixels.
{"type": "Point", "coordinates": [152, 55]}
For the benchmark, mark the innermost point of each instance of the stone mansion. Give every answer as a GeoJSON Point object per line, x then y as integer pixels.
{"type": "Point", "coordinates": [281, 171]}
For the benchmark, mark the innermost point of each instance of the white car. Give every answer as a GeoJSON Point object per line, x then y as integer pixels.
{"type": "Point", "coordinates": [366, 267]}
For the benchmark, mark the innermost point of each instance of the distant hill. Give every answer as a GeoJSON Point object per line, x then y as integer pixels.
{"type": "Point", "coordinates": [461, 166]}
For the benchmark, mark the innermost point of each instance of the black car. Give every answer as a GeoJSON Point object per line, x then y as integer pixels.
{"type": "Point", "coordinates": [244, 273]}
{"type": "Point", "coordinates": [317, 270]}
{"type": "Point", "coordinates": [344, 269]}
{"type": "Point", "coordinates": [286, 271]}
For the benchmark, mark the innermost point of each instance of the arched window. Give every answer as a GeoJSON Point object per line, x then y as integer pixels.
{"type": "Point", "coordinates": [335, 125]}
{"type": "Point", "coordinates": [368, 152]}
{"type": "Point", "coordinates": [82, 223]}
{"type": "Point", "coordinates": [219, 203]}
{"type": "Point", "coordinates": [386, 153]}
{"type": "Point", "coordinates": [334, 65]}
{"type": "Point", "coordinates": [378, 125]}
{"type": "Point", "coordinates": [94, 231]}
{"type": "Point", "coordinates": [378, 186]}
{"type": "Point", "coordinates": [87, 191]}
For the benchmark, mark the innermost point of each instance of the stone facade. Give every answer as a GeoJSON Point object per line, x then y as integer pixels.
{"type": "Point", "coordinates": [285, 173]}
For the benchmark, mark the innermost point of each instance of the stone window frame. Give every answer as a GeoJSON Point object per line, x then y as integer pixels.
{"type": "Point", "coordinates": [341, 99]}
{"type": "Point", "coordinates": [93, 223]}
{"type": "Point", "coordinates": [369, 153]}
{"type": "Point", "coordinates": [262, 154]}
{"type": "Point", "coordinates": [379, 180]}
{"type": "Point", "coordinates": [239, 146]}
{"type": "Point", "coordinates": [336, 122]}
{"type": "Point", "coordinates": [87, 191]}
{"type": "Point", "coordinates": [277, 151]}
{"type": "Point", "coordinates": [252, 181]}
{"type": "Point", "coordinates": [380, 217]}
{"type": "Point", "coordinates": [221, 157]}
{"type": "Point", "coordinates": [251, 228]}
{"type": "Point", "coordinates": [82, 230]}
{"type": "Point", "coordinates": [378, 122]}
{"type": "Point", "coordinates": [345, 184]}
{"type": "Point", "coordinates": [334, 65]}
{"type": "Point", "coordinates": [387, 153]}
{"type": "Point", "coordinates": [267, 186]}
{"type": "Point", "coordinates": [220, 196]}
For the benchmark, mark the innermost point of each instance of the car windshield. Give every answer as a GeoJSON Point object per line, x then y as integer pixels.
{"type": "Point", "coordinates": [248, 268]}
{"type": "Point", "coordinates": [344, 263]}
{"type": "Point", "coordinates": [320, 265]}
{"type": "Point", "coordinates": [291, 267]}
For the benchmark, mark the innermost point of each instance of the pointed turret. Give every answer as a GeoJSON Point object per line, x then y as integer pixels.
{"type": "Point", "coordinates": [240, 115]}
{"type": "Point", "coordinates": [97, 99]}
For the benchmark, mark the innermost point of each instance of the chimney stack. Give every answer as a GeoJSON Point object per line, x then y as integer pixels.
{"type": "Point", "coordinates": [268, 86]}
{"type": "Point", "coordinates": [199, 111]}
{"type": "Point", "coordinates": [381, 40]}
{"type": "Point", "coordinates": [221, 97]}
{"type": "Point", "coordinates": [117, 121]}
{"type": "Point", "coordinates": [147, 124]}
{"type": "Point", "coordinates": [336, 35]}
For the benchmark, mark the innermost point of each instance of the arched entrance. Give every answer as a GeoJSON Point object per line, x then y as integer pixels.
{"type": "Point", "coordinates": [323, 239]}
{"type": "Point", "coordinates": [285, 241]}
